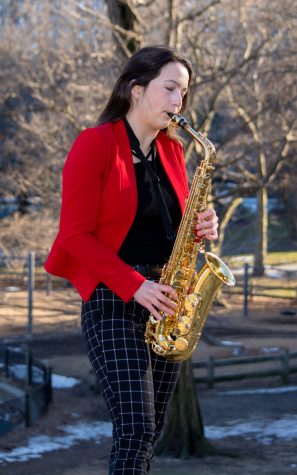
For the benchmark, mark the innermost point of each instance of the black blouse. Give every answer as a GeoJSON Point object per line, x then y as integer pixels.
{"type": "Point", "coordinates": [146, 241]}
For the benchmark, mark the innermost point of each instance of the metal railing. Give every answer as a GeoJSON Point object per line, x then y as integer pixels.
{"type": "Point", "coordinates": [27, 375]}
{"type": "Point", "coordinates": [27, 273]}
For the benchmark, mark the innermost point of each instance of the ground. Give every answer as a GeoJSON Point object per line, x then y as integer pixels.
{"type": "Point", "coordinates": [252, 420]}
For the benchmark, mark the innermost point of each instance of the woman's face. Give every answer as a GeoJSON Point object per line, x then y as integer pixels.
{"type": "Point", "coordinates": [163, 94]}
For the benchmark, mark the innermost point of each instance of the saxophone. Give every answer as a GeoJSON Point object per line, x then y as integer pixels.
{"type": "Point", "coordinates": [176, 336]}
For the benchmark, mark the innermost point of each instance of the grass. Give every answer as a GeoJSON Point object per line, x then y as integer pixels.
{"type": "Point", "coordinates": [259, 291]}
{"type": "Point", "coordinates": [277, 293]}
{"type": "Point", "coordinates": [285, 257]}
{"type": "Point", "coordinates": [284, 286]}
{"type": "Point", "coordinates": [273, 258]}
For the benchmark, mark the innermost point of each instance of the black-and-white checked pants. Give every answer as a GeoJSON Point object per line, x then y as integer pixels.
{"type": "Point", "coordinates": [135, 382]}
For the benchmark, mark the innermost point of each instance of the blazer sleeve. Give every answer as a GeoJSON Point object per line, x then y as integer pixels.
{"type": "Point", "coordinates": [84, 173]}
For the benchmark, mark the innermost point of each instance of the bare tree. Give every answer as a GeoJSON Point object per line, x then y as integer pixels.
{"type": "Point", "coordinates": [267, 117]}
{"type": "Point", "coordinates": [124, 14]}
{"type": "Point", "coordinates": [53, 80]}
{"type": "Point", "coordinates": [57, 68]}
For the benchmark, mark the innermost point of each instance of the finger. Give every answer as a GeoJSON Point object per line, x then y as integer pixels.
{"type": "Point", "coordinates": [206, 229]}
{"type": "Point", "coordinates": [206, 214]}
{"type": "Point", "coordinates": [168, 290]}
{"type": "Point", "coordinates": [207, 232]}
{"type": "Point", "coordinates": [208, 221]}
{"type": "Point", "coordinates": [211, 237]}
{"type": "Point", "coordinates": [154, 312]}
{"type": "Point", "coordinates": [167, 301]}
{"type": "Point", "coordinates": [207, 225]}
{"type": "Point", "coordinates": [162, 307]}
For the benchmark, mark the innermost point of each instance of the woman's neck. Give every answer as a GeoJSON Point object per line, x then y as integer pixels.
{"type": "Point", "coordinates": [144, 134]}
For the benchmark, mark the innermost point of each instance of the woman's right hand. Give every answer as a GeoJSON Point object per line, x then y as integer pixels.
{"type": "Point", "coordinates": [156, 297]}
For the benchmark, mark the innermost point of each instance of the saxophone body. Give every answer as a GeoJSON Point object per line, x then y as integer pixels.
{"type": "Point", "coordinates": [176, 336]}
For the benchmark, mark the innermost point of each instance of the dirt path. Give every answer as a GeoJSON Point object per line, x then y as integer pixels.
{"type": "Point", "coordinates": [252, 456]}
{"type": "Point", "coordinates": [250, 422]}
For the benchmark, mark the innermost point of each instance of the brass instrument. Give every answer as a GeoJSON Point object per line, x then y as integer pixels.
{"type": "Point", "coordinates": [176, 337]}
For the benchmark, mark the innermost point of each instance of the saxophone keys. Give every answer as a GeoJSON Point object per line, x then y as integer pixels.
{"type": "Point", "coordinates": [181, 344]}
{"type": "Point", "coordinates": [183, 325]}
{"type": "Point", "coordinates": [153, 320]}
{"type": "Point", "coordinates": [192, 302]}
{"type": "Point", "coordinates": [179, 275]}
{"type": "Point", "coordinates": [177, 285]}
{"type": "Point", "coordinates": [179, 280]}
{"type": "Point", "coordinates": [159, 350]}
{"type": "Point", "coordinates": [162, 346]}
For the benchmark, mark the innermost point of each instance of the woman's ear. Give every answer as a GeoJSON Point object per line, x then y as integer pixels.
{"type": "Point", "coordinates": [136, 90]}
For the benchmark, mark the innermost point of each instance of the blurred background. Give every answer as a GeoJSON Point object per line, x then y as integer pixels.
{"type": "Point", "coordinates": [58, 64]}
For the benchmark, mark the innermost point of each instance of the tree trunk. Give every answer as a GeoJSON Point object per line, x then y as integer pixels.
{"type": "Point", "coordinates": [260, 252]}
{"type": "Point", "coordinates": [225, 221]}
{"type": "Point", "coordinates": [123, 14]}
{"type": "Point", "coordinates": [184, 432]}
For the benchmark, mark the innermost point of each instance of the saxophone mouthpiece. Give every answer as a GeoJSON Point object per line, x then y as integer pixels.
{"type": "Point", "coordinates": [178, 120]}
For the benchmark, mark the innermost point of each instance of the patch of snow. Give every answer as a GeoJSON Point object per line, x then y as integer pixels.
{"type": "Point", "coordinates": [17, 349]}
{"type": "Point", "coordinates": [270, 349]}
{"type": "Point", "coordinates": [41, 444]}
{"type": "Point", "coordinates": [242, 392]}
{"type": "Point", "coordinates": [274, 273]}
{"type": "Point", "coordinates": [19, 371]}
{"type": "Point", "coordinates": [61, 382]}
{"type": "Point", "coordinates": [263, 431]}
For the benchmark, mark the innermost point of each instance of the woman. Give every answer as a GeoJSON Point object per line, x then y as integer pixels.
{"type": "Point", "coordinates": [124, 191]}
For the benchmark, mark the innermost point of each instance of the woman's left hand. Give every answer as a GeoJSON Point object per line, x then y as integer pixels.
{"type": "Point", "coordinates": [207, 225]}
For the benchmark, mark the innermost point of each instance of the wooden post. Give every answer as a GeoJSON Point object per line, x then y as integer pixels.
{"type": "Point", "coordinates": [31, 286]}
{"type": "Point", "coordinates": [28, 408]}
{"type": "Point", "coordinates": [210, 372]}
{"type": "Point", "coordinates": [49, 388]}
{"type": "Point", "coordinates": [6, 362]}
{"type": "Point", "coordinates": [48, 284]}
{"type": "Point", "coordinates": [29, 367]}
{"type": "Point", "coordinates": [285, 367]}
{"type": "Point", "coordinates": [246, 290]}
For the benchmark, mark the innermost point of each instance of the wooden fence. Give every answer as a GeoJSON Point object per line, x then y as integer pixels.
{"type": "Point", "coordinates": [283, 369]}
{"type": "Point", "coordinates": [249, 288]}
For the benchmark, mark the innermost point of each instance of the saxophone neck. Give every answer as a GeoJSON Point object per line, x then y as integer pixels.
{"type": "Point", "coordinates": [207, 145]}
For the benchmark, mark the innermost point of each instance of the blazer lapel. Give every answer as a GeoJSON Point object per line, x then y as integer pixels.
{"type": "Point", "coordinates": [126, 168]}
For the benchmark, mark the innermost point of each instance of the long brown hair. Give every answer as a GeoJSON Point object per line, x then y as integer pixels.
{"type": "Point", "coordinates": [144, 66]}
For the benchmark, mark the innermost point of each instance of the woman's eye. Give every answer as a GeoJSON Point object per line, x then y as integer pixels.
{"type": "Point", "coordinates": [169, 88]}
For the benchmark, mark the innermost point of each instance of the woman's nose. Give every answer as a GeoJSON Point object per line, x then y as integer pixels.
{"type": "Point", "coordinates": [178, 99]}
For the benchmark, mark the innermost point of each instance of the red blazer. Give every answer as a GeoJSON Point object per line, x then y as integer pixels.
{"type": "Point", "coordinates": [99, 202]}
